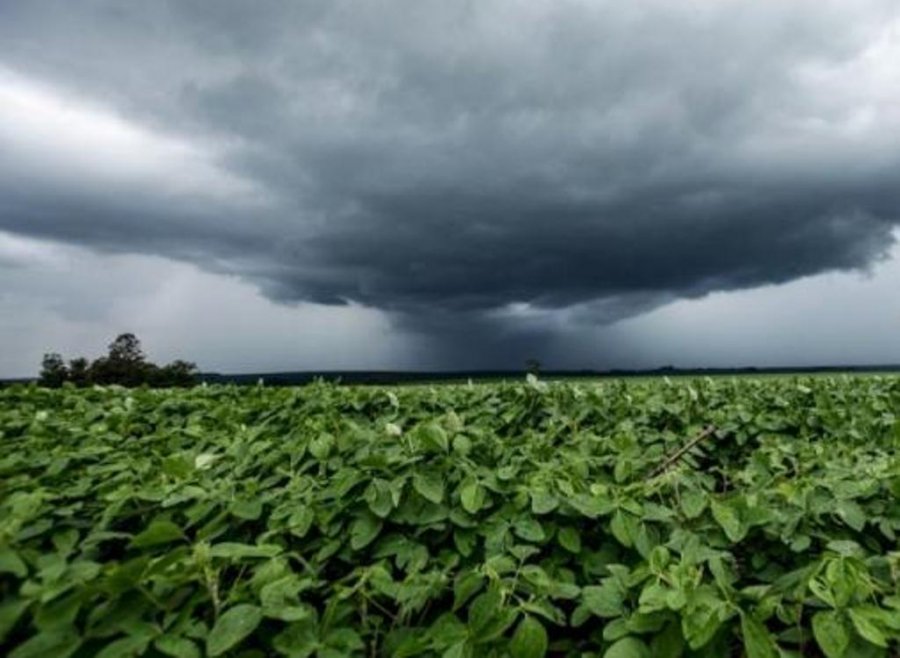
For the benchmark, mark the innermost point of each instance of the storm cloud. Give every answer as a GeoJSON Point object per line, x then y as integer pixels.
{"type": "Point", "coordinates": [495, 168]}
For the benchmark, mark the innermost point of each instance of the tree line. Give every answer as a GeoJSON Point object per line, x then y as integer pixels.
{"type": "Point", "coordinates": [125, 365]}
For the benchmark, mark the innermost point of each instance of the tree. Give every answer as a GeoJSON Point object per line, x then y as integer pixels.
{"type": "Point", "coordinates": [125, 364]}
{"type": "Point", "coordinates": [126, 348]}
{"type": "Point", "coordinates": [177, 373]}
{"type": "Point", "coordinates": [80, 371]}
{"type": "Point", "coordinates": [53, 370]}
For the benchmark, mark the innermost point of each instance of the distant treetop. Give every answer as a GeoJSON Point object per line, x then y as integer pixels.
{"type": "Point", "coordinates": [125, 364]}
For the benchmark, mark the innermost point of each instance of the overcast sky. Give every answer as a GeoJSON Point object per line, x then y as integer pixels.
{"type": "Point", "coordinates": [431, 184]}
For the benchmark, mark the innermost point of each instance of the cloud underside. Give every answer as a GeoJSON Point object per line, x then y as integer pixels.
{"type": "Point", "coordinates": [466, 168]}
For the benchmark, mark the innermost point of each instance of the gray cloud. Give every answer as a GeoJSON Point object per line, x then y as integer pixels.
{"type": "Point", "coordinates": [448, 162]}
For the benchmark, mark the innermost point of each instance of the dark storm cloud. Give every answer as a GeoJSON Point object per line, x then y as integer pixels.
{"type": "Point", "coordinates": [449, 162]}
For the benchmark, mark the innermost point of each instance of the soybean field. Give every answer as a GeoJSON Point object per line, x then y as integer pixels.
{"type": "Point", "coordinates": [729, 517]}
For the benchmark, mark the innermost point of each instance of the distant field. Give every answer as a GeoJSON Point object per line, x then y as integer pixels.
{"type": "Point", "coordinates": [714, 517]}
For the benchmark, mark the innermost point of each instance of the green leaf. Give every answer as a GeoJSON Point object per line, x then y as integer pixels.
{"type": "Point", "coordinates": [529, 529]}
{"type": "Point", "coordinates": [569, 539]}
{"type": "Point", "coordinates": [176, 646]}
{"type": "Point", "coordinates": [727, 518]}
{"type": "Point", "coordinates": [232, 627]}
{"type": "Point", "coordinates": [249, 510]}
{"type": "Point", "coordinates": [831, 633]}
{"type": "Point", "coordinates": [364, 530]}
{"type": "Point", "coordinates": [623, 528]}
{"type": "Point", "coordinates": [10, 562]}
{"type": "Point", "coordinates": [605, 600]}
{"type": "Point", "coordinates": [53, 644]}
{"type": "Point", "coordinates": [298, 640]}
{"type": "Point", "coordinates": [699, 622]}
{"type": "Point", "coordinates": [301, 521]}
{"type": "Point", "coordinates": [867, 627]}
{"type": "Point", "coordinates": [852, 514]}
{"type": "Point", "coordinates": [465, 586]}
{"type": "Point", "coordinates": [462, 445]}
{"type": "Point", "coordinates": [125, 647]}
{"type": "Point", "coordinates": [668, 643]}
{"type": "Point", "coordinates": [653, 597]}
{"type": "Point", "coordinates": [471, 495]}
{"type": "Point", "coordinates": [160, 531]}
{"type": "Point", "coordinates": [10, 612]}
{"type": "Point", "coordinates": [543, 502]}
{"type": "Point", "coordinates": [430, 486]}
{"type": "Point", "coordinates": [433, 437]}
{"type": "Point", "coordinates": [529, 639]}
{"type": "Point", "coordinates": [378, 496]}
{"type": "Point", "coordinates": [459, 650]}
{"type": "Point", "coordinates": [321, 446]}
{"type": "Point", "coordinates": [483, 609]}
{"type": "Point", "coordinates": [234, 550]}
{"type": "Point", "coordinates": [693, 502]}
{"type": "Point", "coordinates": [758, 642]}
{"type": "Point", "coordinates": [628, 647]}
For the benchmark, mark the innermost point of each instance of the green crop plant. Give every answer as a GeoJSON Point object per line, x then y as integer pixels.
{"type": "Point", "coordinates": [707, 518]}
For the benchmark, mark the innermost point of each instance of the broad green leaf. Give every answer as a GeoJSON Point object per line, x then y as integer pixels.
{"type": "Point", "coordinates": [301, 521]}
{"type": "Point", "coordinates": [232, 627]}
{"type": "Point", "coordinates": [543, 502]}
{"type": "Point", "coordinates": [471, 495]}
{"type": "Point", "coordinates": [462, 445]}
{"type": "Point", "coordinates": [459, 650]}
{"type": "Point", "coordinates": [321, 446]}
{"type": "Point", "coordinates": [378, 496]}
{"type": "Point", "coordinates": [465, 587]}
{"type": "Point", "coordinates": [249, 510]}
{"type": "Point", "coordinates": [430, 486]}
{"type": "Point", "coordinates": [852, 514]}
{"type": "Point", "coordinates": [693, 502]}
{"type": "Point", "coordinates": [627, 647]}
{"type": "Point", "coordinates": [569, 539]}
{"type": "Point", "coordinates": [867, 627]}
{"type": "Point", "coordinates": [669, 643]}
{"type": "Point", "coordinates": [53, 644]}
{"type": "Point", "coordinates": [623, 528]}
{"type": "Point", "coordinates": [605, 600]}
{"type": "Point", "coordinates": [529, 639]}
{"type": "Point", "coordinates": [298, 640]}
{"type": "Point", "coordinates": [364, 530]}
{"type": "Point", "coordinates": [10, 562]}
{"type": "Point", "coordinates": [10, 611]}
{"type": "Point", "coordinates": [433, 437]}
{"type": "Point", "coordinates": [483, 609]}
{"type": "Point", "coordinates": [160, 531]}
{"type": "Point", "coordinates": [699, 623]}
{"type": "Point", "coordinates": [177, 647]}
{"type": "Point", "coordinates": [727, 518]}
{"type": "Point", "coordinates": [758, 642]}
{"type": "Point", "coordinates": [831, 633]}
{"type": "Point", "coordinates": [529, 529]}
{"type": "Point", "coordinates": [125, 647]}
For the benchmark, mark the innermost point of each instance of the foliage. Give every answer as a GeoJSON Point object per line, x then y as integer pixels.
{"type": "Point", "coordinates": [507, 519]}
{"type": "Point", "coordinates": [53, 370]}
{"type": "Point", "coordinates": [124, 365]}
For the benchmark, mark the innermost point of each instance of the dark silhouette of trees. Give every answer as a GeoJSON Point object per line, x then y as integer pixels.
{"type": "Point", "coordinates": [53, 371]}
{"type": "Point", "coordinates": [125, 364]}
{"type": "Point", "coordinates": [80, 371]}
